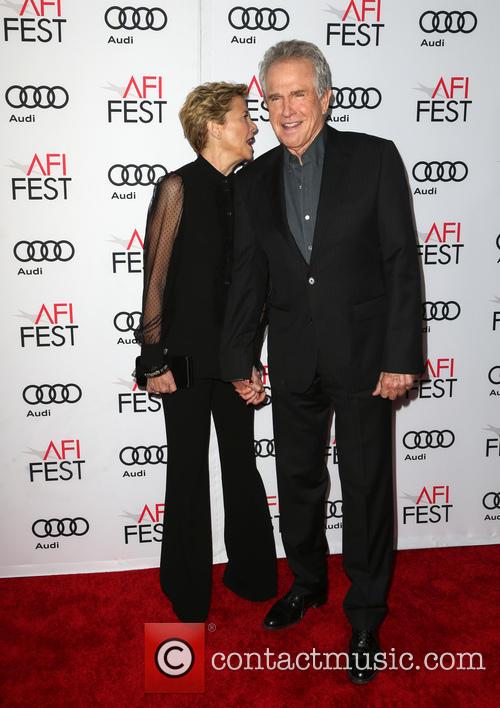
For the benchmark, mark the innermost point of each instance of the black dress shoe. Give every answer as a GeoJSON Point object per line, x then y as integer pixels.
{"type": "Point", "coordinates": [291, 608]}
{"type": "Point", "coordinates": [362, 649]}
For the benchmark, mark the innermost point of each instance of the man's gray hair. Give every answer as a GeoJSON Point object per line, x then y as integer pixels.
{"type": "Point", "coordinates": [298, 49]}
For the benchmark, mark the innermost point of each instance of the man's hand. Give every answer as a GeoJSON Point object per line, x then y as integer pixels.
{"type": "Point", "coordinates": [393, 385]}
{"type": "Point", "coordinates": [161, 384]}
{"type": "Point", "coordinates": [251, 390]}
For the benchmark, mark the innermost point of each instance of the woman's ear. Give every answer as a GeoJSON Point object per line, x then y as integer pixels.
{"type": "Point", "coordinates": [215, 129]}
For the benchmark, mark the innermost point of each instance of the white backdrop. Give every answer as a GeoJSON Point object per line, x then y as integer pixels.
{"type": "Point", "coordinates": [90, 92]}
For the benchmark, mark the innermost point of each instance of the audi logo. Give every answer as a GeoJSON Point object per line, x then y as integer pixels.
{"type": "Point", "coordinates": [141, 455]}
{"type": "Point", "coordinates": [264, 448]}
{"type": "Point", "coordinates": [440, 310]}
{"type": "Point", "coordinates": [432, 439]}
{"type": "Point", "coordinates": [53, 528]}
{"type": "Point", "coordinates": [141, 18]}
{"type": "Point", "coordinates": [253, 18]}
{"type": "Point", "coordinates": [36, 96]}
{"type": "Point", "coordinates": [494, 371]}
{"type": "Point", "coordinates": [334, 509]}
{"type": "Point", "coordinates": [46, 394]}
{"type": "Point", "coordinates": [39, 251]}
{"type": "Point", "coordinates": [136, 175]}
{"type": "Point", "coordinates": [452, 22]}
{"type": "Point", "coordinates": [440, 171]}
{"type": "Point", "coordinates": [127, 321]}
{"type": "Point", "coordinates": [491, 500]}
{"type": "Point", "coordinates": [358, 97]}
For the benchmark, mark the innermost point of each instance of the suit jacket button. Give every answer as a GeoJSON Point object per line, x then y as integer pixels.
{"type": "Point", "coordinates": [311, 281]}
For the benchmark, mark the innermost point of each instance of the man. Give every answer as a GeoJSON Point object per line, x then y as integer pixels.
{"type": "Point", "coordinates": [324, 232]}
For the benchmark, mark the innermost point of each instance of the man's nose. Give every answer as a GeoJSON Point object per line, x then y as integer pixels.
{"type": "Point", "coordinates": [287, 108]}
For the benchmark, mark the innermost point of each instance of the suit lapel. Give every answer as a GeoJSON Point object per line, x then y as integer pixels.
{"type": "Point", "coordinates": [335, 166]}
{"type": "Point", "coordinates": [275, 193]}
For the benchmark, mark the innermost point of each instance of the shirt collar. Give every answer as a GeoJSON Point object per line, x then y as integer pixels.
{"type": "Point", "coordinates": [211, 171]}
{"type": "Point", "coordinates": [313, 155]}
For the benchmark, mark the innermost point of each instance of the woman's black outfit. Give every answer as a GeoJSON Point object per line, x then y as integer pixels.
{"type": "Point", "coordinates": [187, 268]}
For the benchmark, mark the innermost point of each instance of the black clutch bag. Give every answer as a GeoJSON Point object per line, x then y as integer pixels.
{"type": "Point", "coordinates": [181, 367]}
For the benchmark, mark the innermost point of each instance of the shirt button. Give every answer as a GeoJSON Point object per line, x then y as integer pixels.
{"type": "Point", "coordinates": [307, 217]}
{"type": "Point", "coordinates": [311, 281]}
{"type": "Point", "coordinates": [309, 248]}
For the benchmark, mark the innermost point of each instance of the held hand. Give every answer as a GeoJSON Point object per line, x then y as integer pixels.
{"type": "Point", "coordinates": [251, 390]}
{"type": "Point", "coordinates": [393, 385]}
{"type": "Point", "coordinates": [161, 384]}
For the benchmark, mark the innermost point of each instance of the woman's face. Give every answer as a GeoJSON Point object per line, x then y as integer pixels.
{"type": "Point", "coordinates": [238, 130]}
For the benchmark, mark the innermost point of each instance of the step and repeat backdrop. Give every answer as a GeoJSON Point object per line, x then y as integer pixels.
{"type": "Point", "coordinates": [88, 106]}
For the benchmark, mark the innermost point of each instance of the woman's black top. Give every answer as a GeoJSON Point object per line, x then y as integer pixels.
{"type": "Point", "coordinates": [187, 267]}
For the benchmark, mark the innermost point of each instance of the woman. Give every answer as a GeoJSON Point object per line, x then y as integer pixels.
{"type": "Point", "coordinates": [187, 268]}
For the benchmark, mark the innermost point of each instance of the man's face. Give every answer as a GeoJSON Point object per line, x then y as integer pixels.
{"type": "Point", "coordinates": [295, 111]}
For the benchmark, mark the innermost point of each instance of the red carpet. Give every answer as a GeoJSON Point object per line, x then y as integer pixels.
{"type": "Point", "coordinates": [77, 640]}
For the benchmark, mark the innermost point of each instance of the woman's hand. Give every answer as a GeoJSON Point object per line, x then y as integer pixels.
{"type": "Point", "coordinates": [251, 390]}
{"type": "Point", "coordinates": [161, 384]}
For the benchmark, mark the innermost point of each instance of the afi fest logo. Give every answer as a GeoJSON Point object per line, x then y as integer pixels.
{"type": "Point", "coordinates": [493, 443]}
{"type": "Point", "coordinates": [54, 326]}
{"type": "Point", "coordinates": [129, 259]}
{"type": "Point", "coordinates": [148, 527]}
{"type": "Point", "coordinates": [449, 101]}
{"type": "Point", "coordinates": [359, 25]}
{"type": "Point", "coordinates": [61, 462]}
{"type": "Point", "coordinates": [53, 183]}
{"type": "Point", "coordinates": [439, 382]}
{"type": "Point", "coordinates": [256, 104]}
{"type": "Point", "coordinates": [137, 401]}
{"type": "Point", "coordinates": [431, 506]}
{"type": "Point", "coordinates": [141, 101]}
{"type": "Point", "coordinates": [45, 26]}
{"type": "Point", "coordinates": [441, 244]}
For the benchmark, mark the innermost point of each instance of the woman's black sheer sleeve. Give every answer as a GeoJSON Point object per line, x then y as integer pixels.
{"type": "Point", "coordinates": [162, 225]}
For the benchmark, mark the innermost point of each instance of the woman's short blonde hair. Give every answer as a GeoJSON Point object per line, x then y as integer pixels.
{"type": "Point", "coordinates": [210, 101]}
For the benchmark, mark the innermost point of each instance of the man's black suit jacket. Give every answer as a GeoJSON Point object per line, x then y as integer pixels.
{"type": "Point", "coordinates": [355, 310]}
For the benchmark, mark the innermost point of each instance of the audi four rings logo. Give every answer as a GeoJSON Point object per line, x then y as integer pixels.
{"type": "Point", "coordinates": [141, 455]}
{"type": "Point", "coordinates": [334, 509]}
{"type": "Point", "coordinates": [39, 251]}
{"type": "Point", "coordinates": [358, 97]}
{"type": "Point", "coordinates": [53, 528]}
{"type": "Point", "coordinates": [134, 175]}
{"type": "Point", "coordinates": [432, 439]}
{"type": "Point", "coordinates": [264, 448]}
{"type": "Point", "coordinates": [46, 394]}
{"type": "Point", "coordinates": [440, 171]}
{"type": "Point", "coordinates": [36, 96]}
{"type": "Point", "coordinates": [440, 310]}
{"type": "Point", "coordinates": [253, 18]}
{"type": "Point", "coordinates": [452, 22]}
{"type": "Point", "coordinates": [491, 500]}
{"type": "Point", "coordinates": [127, 321]}
{"type": "Point", "coordinates": [141, 18]}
